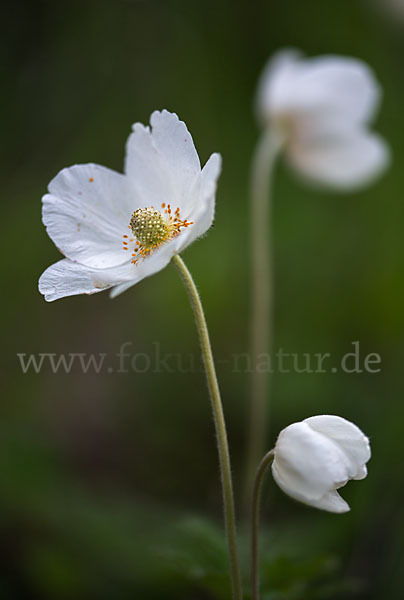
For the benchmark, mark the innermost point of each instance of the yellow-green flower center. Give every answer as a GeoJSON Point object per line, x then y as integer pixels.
{"type": "Point", "coordinates": [149, 227]}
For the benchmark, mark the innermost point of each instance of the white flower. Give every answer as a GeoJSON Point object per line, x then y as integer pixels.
{"type": "Point", "coordinates": [114, 229]}
{"type": "Point", "coordinates": [321, 107]}
{"type": "Point", "coordinates": [315, 457]}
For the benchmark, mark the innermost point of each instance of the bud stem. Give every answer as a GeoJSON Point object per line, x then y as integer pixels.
{"type": "Point", "coordinates": [255, 522]}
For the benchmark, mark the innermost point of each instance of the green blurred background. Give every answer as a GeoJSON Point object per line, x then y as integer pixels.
{"type": "Point", "coordinates": [109, 482]}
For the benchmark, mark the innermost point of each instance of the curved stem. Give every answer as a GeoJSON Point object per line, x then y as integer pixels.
{"type": "Point", "coordinates": [255, 521]}
{"type": "Point", "coordinates": [221, 434]}
{"type": "Point", "coordinates": [263, 163]}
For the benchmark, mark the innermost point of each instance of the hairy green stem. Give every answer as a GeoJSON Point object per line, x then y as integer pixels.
{"type": "Point", "coordinates": [263, 163]}
{"type": "Point", "coordinates": [255, 523]}
{"type": "Point", "coordinates": [221, 434]}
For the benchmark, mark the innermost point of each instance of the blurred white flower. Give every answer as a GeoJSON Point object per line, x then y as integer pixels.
{"type": "Point", "coordinates": [321, 108]}
{"type": "Point", "coordinates": [116, 229]}
{"type": "Point", "coordinates": [317, 456]}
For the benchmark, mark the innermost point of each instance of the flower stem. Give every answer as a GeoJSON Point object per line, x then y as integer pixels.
{"type": "Point", "coordinates": [255, 520]}
{"type": "Point", "coordinates": [263, 163]}
{"type": "Point", "coordinates": [218, 416]}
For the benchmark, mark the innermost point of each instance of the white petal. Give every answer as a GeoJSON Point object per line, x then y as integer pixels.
{"type": "Point", "coordinates": [163, 162]}
{"type": "Point", "coordinates": [86, 213]}
{"type": "Point", "coordinates": [66, 278]}
{"type": "Point", "coordinates": [341, 85]}
{"type": "Point", "coordinates": [175, 144]}
{"type": "Point", "coordinates": [348, 436]}
{"type": "Point", "coordinates": [147, 169]}
{"type": "Point", "coordinates": [120, 289]}
{"type": "Point", "coordinates": [346, 162]}
{"type": "Point", "coordinates": [130, 274]}
{"type": "Point", "coordinates": [146, 267]}
{"type": "Point", "coordinates": [276, 86]}
{"type": "Point", "coordinates": [309, 463]}
{"type": "Point", "coordinates": [330, 501]}
{"type": "Point", "coordinates": [362, 473]}
{"type": "Point", "coordinates": [326, 87]}
{"type": "Point", "coordinates": [204, 211]}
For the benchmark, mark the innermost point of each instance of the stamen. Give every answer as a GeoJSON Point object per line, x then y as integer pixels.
{"type": "Point", "coordinates": [152, 228]}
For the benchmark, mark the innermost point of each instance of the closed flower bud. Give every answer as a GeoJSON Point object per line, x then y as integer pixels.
{"type": "Point", "coordinates": [316, 457]}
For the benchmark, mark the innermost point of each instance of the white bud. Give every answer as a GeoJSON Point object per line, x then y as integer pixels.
{"type": "Point", "coordinates": [317, 456]}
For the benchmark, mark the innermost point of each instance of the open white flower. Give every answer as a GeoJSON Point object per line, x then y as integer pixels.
{"type": "Point", "coordinates": [321, 108]}
{"type": "Point", "coordinates": [115, 229]}
{"type": "Point", "coordinates": [317, 456]}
